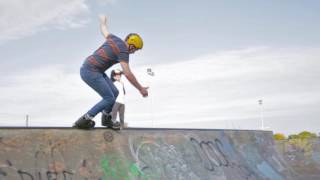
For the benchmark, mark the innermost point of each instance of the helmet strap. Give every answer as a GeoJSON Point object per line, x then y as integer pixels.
{"type": "Point", "coordinates": [131, 48]}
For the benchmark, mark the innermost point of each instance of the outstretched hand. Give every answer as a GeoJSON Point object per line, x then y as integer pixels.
{"type": "Point", "coordinates": [103, 25]}
{"type": "Point", "coordinates": [144, 91]}
{"type": "Point", "coordinates": [103, 19]}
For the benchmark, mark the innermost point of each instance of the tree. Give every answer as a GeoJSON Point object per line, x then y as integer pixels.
{"type": "Point", "coordinates": [307, 135]}
{"type": "Point", "coordinates": [293, 136]}
{"type": "Point", "coordinates": [303, 135]}
{"type": "Point", "coordinates": [279, 136]}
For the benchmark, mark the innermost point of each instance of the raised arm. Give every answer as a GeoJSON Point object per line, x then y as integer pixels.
{"type": "Point", "coordinates": [103, 25]}
{"type": "Point", "coordinates": [132, 79]}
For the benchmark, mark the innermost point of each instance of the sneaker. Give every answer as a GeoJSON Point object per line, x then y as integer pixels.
{"type": "Point", "coordinates": [116, 125]}
{"type": "Point", "coordinates": [106, 119]}
{"type": "Point", "coordinates": [84, 122]}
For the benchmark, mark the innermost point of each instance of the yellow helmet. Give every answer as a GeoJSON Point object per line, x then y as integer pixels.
{"type": "Point", "coordinates": [135, 40]}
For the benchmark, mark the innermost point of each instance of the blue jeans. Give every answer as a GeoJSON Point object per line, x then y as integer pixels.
{"type": "Point", "coordinates": [101, 83]}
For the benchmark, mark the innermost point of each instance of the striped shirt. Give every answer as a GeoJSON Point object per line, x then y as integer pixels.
{"type": "Point", "coordinates": [112, 51]}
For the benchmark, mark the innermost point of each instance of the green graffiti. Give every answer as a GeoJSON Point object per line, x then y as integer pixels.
{"type": "Point", "coordinates": [135, 170]}
{"type": "Point", "coordinates": [115, 169]}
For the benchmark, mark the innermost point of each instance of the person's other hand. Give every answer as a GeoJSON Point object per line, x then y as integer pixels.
{"type": "Point", "coordinates": [144, 91]}
{"type": "Point", "coordinates": [103, 19]}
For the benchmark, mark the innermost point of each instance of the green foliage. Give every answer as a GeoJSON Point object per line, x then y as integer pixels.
{"type": "Point", "coordinates": [303, 135]}
{"type": "Point", "coordinates": [279, 136]}
{"type": "Point", "coordinates": [293, 136]}
{"type": "Point", "coordinates": [302, 145]}
{"type": "Point", "coordinates": [307, 135]}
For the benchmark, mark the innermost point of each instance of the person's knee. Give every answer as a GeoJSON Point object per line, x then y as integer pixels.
{"type": "Point", "coordinates": [110, 99]}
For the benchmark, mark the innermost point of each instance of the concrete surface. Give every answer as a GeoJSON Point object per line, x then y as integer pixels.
{"type": "Point", "coordinates": [302, 156]}
{"type": "Point", "coordinates": [65, 154]}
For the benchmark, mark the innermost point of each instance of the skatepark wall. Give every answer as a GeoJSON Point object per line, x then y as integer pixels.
{"type": "Point", "coordinates": [302, 155]}
{"type": "Point", "coordinates": [143, 154]}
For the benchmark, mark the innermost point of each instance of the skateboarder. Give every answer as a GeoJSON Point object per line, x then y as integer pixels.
{"type": "Point", "coordinates": [113, 51]}
{"type": "Point", "coordinates": [119, 106]}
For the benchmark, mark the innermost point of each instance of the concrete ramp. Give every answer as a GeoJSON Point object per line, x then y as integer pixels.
{"type": "Point", "coordinates": [69, 154]}
{"type": "Point", "coordinates": [302, 156]}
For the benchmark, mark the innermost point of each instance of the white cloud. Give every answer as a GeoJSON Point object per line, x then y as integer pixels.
{"type": "Point", "coordinates": [50, 95]}
{"type": "Point", "coordinates": [228, 85]}
{"type": "Point", "coordinates": [104, 2]}
{"type": "Point", "coordinates": [20, 18]}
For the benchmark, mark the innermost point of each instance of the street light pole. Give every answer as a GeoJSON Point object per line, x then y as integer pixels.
{"type": "Point", "coordinates": [261, 113]}
{"type": "Point", "coordinates": [27, 120]}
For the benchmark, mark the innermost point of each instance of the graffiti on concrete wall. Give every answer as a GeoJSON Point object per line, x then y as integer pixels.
{"type": "Point", "coordinates": [109, 155]}
{"type": "Point", "coordinates": [116, 168]}
{"type": "Point", "coordinates": [160, 160]}
{"type": "Point", "coordinates": [191, 159]}
{"type": "Point", "coordinates": [45, 162]}
{"type": "Point", "coordinates": [215, 159]}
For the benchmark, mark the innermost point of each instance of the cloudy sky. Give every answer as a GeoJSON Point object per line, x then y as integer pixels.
{"type": "Point", "coordinates": [213, 61]}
